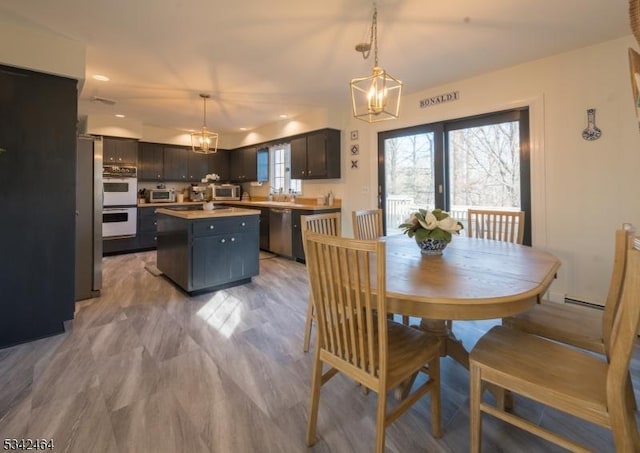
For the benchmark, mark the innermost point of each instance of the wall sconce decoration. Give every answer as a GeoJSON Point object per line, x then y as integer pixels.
{"type": "Point", "coordinates": [591, 132]}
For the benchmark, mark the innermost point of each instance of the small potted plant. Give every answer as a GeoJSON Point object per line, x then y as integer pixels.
{"type": "Point", "coordinates": [432, 230]}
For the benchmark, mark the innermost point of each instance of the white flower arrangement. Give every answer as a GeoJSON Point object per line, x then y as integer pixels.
{"type": "Point", "coordinates": [436, 224]}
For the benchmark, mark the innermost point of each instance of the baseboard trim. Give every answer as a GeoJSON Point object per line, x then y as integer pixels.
{"type": "Point", "coordinates": [568, 300]}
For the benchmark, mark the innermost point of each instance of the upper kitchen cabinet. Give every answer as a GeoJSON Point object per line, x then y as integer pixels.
{"type": "Point", "coordinates": [197, 165]}
{"type": "Point", "coordinates": [176, 164]}
{"type": "Point", "coordinates": [120, 151]}
{"type": "Point", "coordinates": [243, 164]}
{"type": "Point", "coordinates": [316, 155]}
{"type": "Point", "coordinates": [219, 164]}
{"type": "Point", "coordinates": [150, 162]}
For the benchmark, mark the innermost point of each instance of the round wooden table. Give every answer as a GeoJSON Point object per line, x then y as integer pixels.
{"type": "Point", "coordinates": [473, 279]}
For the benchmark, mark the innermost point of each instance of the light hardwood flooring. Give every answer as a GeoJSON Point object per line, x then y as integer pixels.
{"type": "Point", "coordinates": [145, 368]}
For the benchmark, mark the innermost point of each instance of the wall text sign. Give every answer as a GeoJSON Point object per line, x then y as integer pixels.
{"type": "Point", "coordinates": [441, 98]}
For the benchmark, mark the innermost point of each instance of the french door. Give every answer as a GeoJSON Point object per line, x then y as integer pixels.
{"type": "Point", "coordinates": [481, 161]}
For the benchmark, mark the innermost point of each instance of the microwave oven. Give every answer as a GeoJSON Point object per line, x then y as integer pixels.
{"type": "Point", "coordinates": [161, 196]}
{"type": "Point", "coordinates": [226, 191]}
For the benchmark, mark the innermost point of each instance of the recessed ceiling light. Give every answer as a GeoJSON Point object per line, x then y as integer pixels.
{"type": "Point", "coordinates": [101, 78]}
{"type": "Point", "coordinates": [243, 128]}
{"type": "Point", "coordinates": [119, 115]}
{"type": "Point", "coordinates": [283, 116]}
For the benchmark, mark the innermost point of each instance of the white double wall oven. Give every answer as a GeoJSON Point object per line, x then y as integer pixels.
{"type": "Point", "coordinates": [120, 197]}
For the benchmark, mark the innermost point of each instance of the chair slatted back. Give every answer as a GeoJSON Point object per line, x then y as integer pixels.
{"type": "Point", "coordinates": [624, 241]}
{"type": "Point", "coordinates": [367, 224]}
{"type": "Point", "coordinates": [507, 226]}
{"type": "Point", "coordinates": [342, 276]}
{"type": "Point", "coordinates": [330, 224]}
{"type": "Point", "coordinates": [624, 329]}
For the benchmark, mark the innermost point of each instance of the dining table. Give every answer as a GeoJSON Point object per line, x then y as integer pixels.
{"type": "Point", "coordinates": [473, 279]}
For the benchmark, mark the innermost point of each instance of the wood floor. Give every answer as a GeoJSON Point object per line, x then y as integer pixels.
{"type": "Point", "coordinates": [145, 368]}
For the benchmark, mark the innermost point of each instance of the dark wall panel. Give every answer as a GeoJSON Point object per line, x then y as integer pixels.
{"type": "Point", "coordinates": [38, 114]}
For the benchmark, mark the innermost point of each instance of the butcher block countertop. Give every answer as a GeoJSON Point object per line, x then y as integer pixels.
{"type": "Point", "coordinates": [215, 213]}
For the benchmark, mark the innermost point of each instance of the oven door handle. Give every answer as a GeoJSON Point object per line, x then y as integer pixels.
{"type": "Point", "coordinates": [114, 210]}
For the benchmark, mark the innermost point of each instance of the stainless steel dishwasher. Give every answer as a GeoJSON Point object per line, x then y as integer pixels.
{"type": "Point", "coordinates": [280, 232]}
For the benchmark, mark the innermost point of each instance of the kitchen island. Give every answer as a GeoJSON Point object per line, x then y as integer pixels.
{"type": "Point", "coordinates": [208, 250]}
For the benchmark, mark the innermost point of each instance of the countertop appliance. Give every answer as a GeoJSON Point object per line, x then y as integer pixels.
{"type": "Point", "coordinates": [280, 240]}
{"type": "Point", "coordinates": [161, 195]}
{"type": "Point", "coordinates": [88, 217]}
{"type": "Point", "coordinates": [198, 192]}
{"type": "Point", "coordinates": [226, 191]}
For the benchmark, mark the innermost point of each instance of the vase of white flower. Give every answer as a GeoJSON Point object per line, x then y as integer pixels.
{"type": "Point", "coordinates": [432, 230]}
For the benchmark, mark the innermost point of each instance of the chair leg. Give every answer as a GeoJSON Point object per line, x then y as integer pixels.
{"type": "Point", "coordinates": [308, 326]}
{"type": "Point", "coordinates": [405, 320]}
{"type": "Point", "coordinates": [381, 420]}
{"type": "Point", "coordinates": [316, 383]}
{"type": "Point", "coordinates": [475, 393]}
{"type": "Point", "coordinates": [436, 411]}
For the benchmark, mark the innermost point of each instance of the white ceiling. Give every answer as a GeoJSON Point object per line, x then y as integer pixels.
{"type": "Point", "coordinates": [259, 59]}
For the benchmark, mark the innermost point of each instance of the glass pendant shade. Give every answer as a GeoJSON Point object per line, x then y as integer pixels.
{"type": "Point", "coordinates": [204, 141]}
{"type": "Point", "coordinates": [377, 97]}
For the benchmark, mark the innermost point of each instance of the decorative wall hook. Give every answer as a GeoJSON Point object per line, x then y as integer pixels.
{"type": "Point", "coordinates": [591, 132]}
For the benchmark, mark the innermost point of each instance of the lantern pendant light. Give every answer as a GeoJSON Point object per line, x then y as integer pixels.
{"type": "Point", "coordinates": [204, 141]}
{"type": "Point", "coordinates": [376, 97]}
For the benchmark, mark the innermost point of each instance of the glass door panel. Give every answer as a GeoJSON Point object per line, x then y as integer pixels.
{"type": "Point", "coordinates": [408, 178]}
{"type": "Point", "coordinates": [484, 168]}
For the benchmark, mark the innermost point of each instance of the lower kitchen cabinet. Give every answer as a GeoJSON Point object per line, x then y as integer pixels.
{"type": "Point", "coordinates": [296, 231]}
{"type": "Point", "coordinates": [147, 228]}
{"type": "Point", "coordinates": [208, 254]}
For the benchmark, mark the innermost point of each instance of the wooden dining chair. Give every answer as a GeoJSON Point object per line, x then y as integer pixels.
{"type": "Point", "coordinates": [575, 325]}
{"type": "Point", "coordinates": [330, 224]}
{"type": "Point", "coordinates": [505, 226]}
{"type": "Point", "coordinates": [367, 225]}
{"type": "Point", "coordinates": [347, 279]}
{"type": "Point", "coordinates": [582, 384]}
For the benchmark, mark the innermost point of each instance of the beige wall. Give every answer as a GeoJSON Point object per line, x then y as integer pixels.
{"type": "Point", "coordinates": [41, 51]}
{"type": "Point", "coordinates": [581, 191]}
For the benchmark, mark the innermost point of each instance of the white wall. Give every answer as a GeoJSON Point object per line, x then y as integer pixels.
{"type": "Point", "coordinates": [582, 191]}
{"type": "Point", "coordinates": [41, 51]}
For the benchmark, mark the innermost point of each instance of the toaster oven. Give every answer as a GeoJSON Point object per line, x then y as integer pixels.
{"type": "Point", "coordinates": [161, 196]}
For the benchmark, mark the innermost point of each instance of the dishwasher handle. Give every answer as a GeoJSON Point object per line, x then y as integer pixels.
{"type": "Point", "coordinates": [281, 211]}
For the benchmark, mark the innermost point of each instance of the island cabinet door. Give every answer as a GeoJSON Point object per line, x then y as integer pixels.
{"type": "Point", "coordinates": [210, 266]}
{"type": "Point", "coordinates": [243, 254]}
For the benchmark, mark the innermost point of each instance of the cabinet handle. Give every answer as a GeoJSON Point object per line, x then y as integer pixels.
{"type": "Point", "coordinates": [242, 224]}
{"type": "Point", "coordinates": [155, 238]}
{"type": "Point", "coordinates": [223, 240]}
{"type": "Point", "coordinates": [233, 239]}
{"type": "Point", "coordinates": [211, 227]}
{"type": "Point", "coordinates": [155, 211]}
{"type": "Point", "coordinates": [155, 223]}
{"type": "Point", "coordinates": [309, 172]}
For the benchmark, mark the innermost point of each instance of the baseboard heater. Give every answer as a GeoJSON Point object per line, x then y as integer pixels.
{"type": "Point", "coordinates": [568, 300]}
